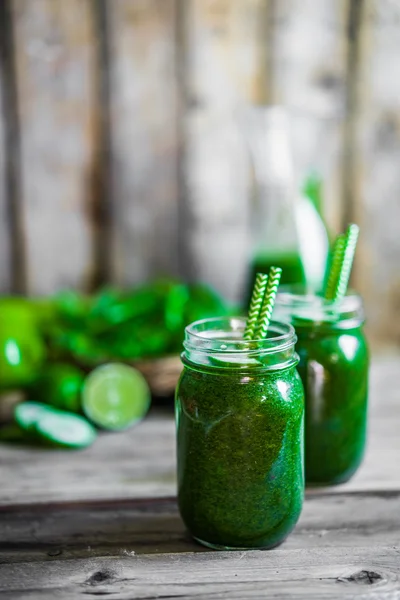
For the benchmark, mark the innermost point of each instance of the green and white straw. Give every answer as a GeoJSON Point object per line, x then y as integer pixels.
{"type": "Point", "coordinates": [335, 266]}
{"type": "Point", "coordinates": [340, 279]}
{"type": "Point", "coordinates": [255, 305]}
{"type": "Point", "coordinates": [267, 307]}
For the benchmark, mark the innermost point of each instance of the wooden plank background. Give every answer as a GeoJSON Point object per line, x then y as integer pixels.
{"type": "Point", "coordinates": [143, 115]}
{"type": "Point", "coordinates": [55, 73]}
{"type": "Point", "coordinates": [5, 226]}
{"type": "Point", "coordinates": [4, 230]}
{"type": "Point", "coordinates": [121, 136]}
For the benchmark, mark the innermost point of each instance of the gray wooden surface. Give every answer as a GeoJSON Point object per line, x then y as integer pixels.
{"type": "Point", "coordinates": [309, 75]}
{"type": "Point", "coordinates": [55, 77]}
{"type": "Point", "coordinates": [5, 224]}
{"type": "Point", "coordinates": [143, 115]}
{"type": "Point", "coordinates": [220, 45]}
{"type": "Point", "coordinates": [125, 156]}
{"type": "Point", "coordinates": [376, 175]}
{"type": "Point", "coordinates": [105, 522]}
{"type": "Point", "coordinates": [4, 229]}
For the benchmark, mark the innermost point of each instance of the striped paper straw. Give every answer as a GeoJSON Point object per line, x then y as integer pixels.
{"type": "Point", "coordinates": [335, 266]}
{"type": "Point", "coordinates": [347, 262]}
{"type": "Point", "coordinates": [267, 307]}
{"type": "Point", "coordinates": [255, 305]}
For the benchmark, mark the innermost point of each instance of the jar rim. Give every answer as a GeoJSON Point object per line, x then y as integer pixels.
{"type": "Point", "coordinates": [196, 332]}
{"type": "Point", "coordinates": [218, 343]}
{"type": "Point", "coordinates": [298, 306]}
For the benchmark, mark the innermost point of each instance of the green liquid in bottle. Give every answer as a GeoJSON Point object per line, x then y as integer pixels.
{"type": "Point", "coordinates": [290, 263]}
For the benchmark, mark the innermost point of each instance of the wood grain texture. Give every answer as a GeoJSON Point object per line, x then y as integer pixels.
{"type": "Point", "coordinates": [140, 462]}
{"type": "Point", "coordinates": [376, 182]}
{"type": "Point", "coordinates": [7, 96]}
{"type": "Point", "coordinates": [12, 251]}
{"type": "Point", "coordinates": [55, 72]}
{"type": "Point", "coordinates": [337, 572]}
{"type": "Point", "coordinates": [5, 230]}
{"type": "Point", "coordinates": [308, 75]}
{"type": "Point", "coordinates": [137, 463]}
{"type": "Point", "coordinates": [346, 544]}
{"type": "Point", "coordinates": [153, 526]}
{"type": "Point", "coordinates": [144, 138]}
{"type": "Point", "coordinates": [222, 71]}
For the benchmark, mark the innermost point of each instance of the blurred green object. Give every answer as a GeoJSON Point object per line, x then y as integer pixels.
{"type": "Point", "coordinates": [22, 349]}
{"type": "Point", "coordinates": [48, 425]}
{"type": "Point", "coordinates": [48, 345]}
{"type": "Point", "coordinates": [60, 385]}
{"type": "Point", "coordinates": [312, 189]}
{"type": "Point", "coordinates": [11, 433]}
{"type": "Point", "coordinates": [145, 322]}
{"type": "Point", "coordinates": [27, 414]}
{"type": "Point", "coordinates": [45, 342]}
{"type": "Point", "coordinates": [115, 396]}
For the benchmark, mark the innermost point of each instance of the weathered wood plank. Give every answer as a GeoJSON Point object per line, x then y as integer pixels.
{"type": "Point", "coordinates": [56, 81]}
{"type": "Point", "coordinates": [379, 470]}
{"type": "Point", "coordinates": [376, 177]}
{"type": "Point", "coordinates": [5, 278]}
{"type": "Point", "coordinates": [136, 463]}
{"type": "Point", "coordinates": [140, 462]}
{"type": "Point", "coordinates": [153, 526]}
{"type": "Point", "coordinates": [308, 75]}
{"type": "Point", "coordinates": [144, 138]}
{"type": "Point", "coordinates": [5, 242]}
{"type": "Point", "coordinates": [222, 70]}
{"type": "Point", "coordinates": [338, 572]}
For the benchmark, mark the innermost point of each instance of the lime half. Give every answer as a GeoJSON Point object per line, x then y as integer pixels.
{"type": "Point", "coordinates": [115, 396]}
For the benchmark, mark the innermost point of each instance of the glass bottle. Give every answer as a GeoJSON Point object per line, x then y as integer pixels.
{"type": "Point", "coordinates": [287, 230]}
{"type": "Point", "coordinates": [239, 415]}
{"type": "Point", "coordinates": [333, 366]}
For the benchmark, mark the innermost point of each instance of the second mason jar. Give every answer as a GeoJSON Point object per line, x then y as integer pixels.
{"type": "Point", "coordinates": [334, 369]}
{"type": "Point", "coordinates": [239, 413]}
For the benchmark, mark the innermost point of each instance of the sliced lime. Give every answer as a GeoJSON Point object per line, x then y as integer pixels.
{"type": "Point", "coordinates": [53, 425]}
{"type": "Point", "coordinates": [65, 429]}
{"type": "Point", "coordinates": [27, 414]}
{"type": "Point", "coordinates": [115, 396]}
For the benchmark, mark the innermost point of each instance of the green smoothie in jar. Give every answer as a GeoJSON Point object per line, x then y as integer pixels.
{"type": "Point", "coordinates": [239, 415]}
{"type": "Point", "coordinates": [333, 366]}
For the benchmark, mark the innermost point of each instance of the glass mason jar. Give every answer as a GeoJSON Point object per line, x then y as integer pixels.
{"type": "Point", "coordinates": [239, 414]}
{"type": "Point", "coordinates": [334, 369]}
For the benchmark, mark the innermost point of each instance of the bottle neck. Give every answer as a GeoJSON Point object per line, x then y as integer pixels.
{"type": "Point", "coordinates": [274, 188]}
{"type": "Point", "coordinates": [218, 344]}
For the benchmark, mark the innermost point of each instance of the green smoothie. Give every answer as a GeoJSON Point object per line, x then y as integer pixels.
{"type": "Point", "coordinates": [290, 263]}
{"type": "Point", "coordinates": [334, 369]}
{"type": "Point", "coordinates": [240, 439]}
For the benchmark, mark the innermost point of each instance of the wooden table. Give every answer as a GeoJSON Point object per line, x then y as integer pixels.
{"type": "Point", "coordinates": [105, 522]}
